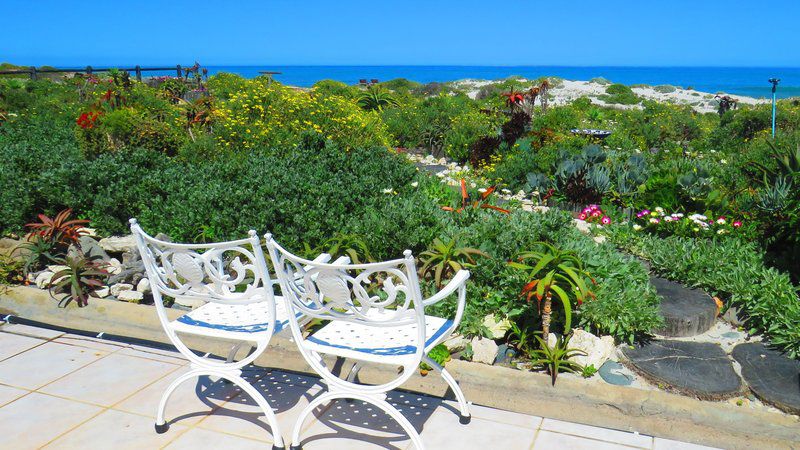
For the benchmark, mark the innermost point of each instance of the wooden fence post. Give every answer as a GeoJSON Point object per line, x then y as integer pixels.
{"type": "Point", "coordinates": [33, 72]}
{"type": "Point", "coordinates": [138, 73]}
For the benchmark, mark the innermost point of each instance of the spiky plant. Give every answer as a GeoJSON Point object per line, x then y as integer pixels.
{"type": "Point", "coordinates": [444, 259]}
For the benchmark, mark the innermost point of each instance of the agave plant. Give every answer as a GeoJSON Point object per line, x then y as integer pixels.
{"type": "Point", "coordinates": [61, 230]}
{"type": "Point", "coordinates": [553, 272]}
{"type": "Point", "coordinates": [481, 203]}
{"type": "Point", "coordinates": [37, 252]}
{"type": "Point", "coordinates": [444, 259]}
{"type": "Point", "coordinates": [375, 99]}
{"type": "Point", "coordinates": [79, 280]}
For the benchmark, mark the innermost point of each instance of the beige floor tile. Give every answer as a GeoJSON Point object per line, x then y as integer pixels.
{"type": "Point", "coordinates": [90, 342]}
{"type": "Point", "coordinates": [8, 394]}
{"type": "Point", "coordinates": [499, 415]}
{"type": "Point", "coordinates": [241, 416]}
{"type": "Point", "coordinates": [443, 430]}
{"type": "Point", "coordinates": [548, 440]}
{"type": "Point", "coordinates": [12, 344]}
{"type": "Point", "coordinates": [198, 438]}
{"type": "Point", "coordinates": [45, 363]}
{"type": "Point", "coordinates": [603, 434]}
{"type": "Point", "coordinates": [153, 353]}
{"type": "Point", "coordinates": [110, 379]}
{"type": "Point", "coordinates": [28, 330]}
{"type": "Point", "coordinates": [667, 444]}
{"type": "Point", "coordinates": [191, 402]}
{"type": "Point", "coordinates": [35, 419]}
{"type": "Point", "coordinates": [116, 430]}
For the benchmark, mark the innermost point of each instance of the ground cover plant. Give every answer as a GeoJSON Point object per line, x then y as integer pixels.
{"type": "Point", "coordinates": [204, 160]}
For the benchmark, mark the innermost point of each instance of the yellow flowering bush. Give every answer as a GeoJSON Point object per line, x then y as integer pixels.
{"type": "Point", "coordinates": [273, 115]}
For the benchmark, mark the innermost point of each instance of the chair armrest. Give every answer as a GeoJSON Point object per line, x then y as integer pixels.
{"type": "Point", "coordinates": [459, 281]}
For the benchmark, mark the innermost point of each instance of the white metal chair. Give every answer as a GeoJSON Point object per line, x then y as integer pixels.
{"type": "Point", "coordinates": [375, 314]}
{"type": "Point", "coordinates": [240, 307]}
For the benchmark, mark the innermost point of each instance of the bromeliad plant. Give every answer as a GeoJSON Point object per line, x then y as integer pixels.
{"type": "Point", "coordinates": [481, 203]}
{"type": "Point", "coordinates": [444, 259]}
{"type": "Point", "coordinates": [60, 231]}
{"type": "Point", "coordinates": [79, 280]}
{"type": "Point", "coordinates": [553, 272]}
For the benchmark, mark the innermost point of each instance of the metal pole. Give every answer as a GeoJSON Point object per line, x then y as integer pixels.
{"type": "Point", "coordinates": [774, 82]}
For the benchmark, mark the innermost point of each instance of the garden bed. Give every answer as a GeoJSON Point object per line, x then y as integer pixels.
{"type": "Point", "coordinates": [592, 402]}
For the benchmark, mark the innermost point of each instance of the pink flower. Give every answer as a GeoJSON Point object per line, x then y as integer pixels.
{"type": "Point", "coordinates": [587, 210]}
{"type": "Point", "coordinates": [737, 223]}
{"type": "Point", "coordinates": [596, 213]}
{"type": "Point", "coordinates": [645, 212]}
{"type": "Point", "coordinates": [593, 207]}
{"type": "Point", "coordinates": [639, 215]}
{"type": "Point", "coordinates": [582, 216]}
{"type": "Point", "coordinates": [605, 220]}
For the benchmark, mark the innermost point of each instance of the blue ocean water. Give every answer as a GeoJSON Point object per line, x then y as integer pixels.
{"type": "Point", "coordinates": [750, 81]}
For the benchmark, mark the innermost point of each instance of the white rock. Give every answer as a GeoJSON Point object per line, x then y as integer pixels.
{"type": "Point", "coordinates": [143, 286]}
{"type": "Point", "coordinates": [456, 343]}
{"type": "Point", "coordinates": [56, 268]}
{"type": "Point", "coordinates": [43, 279]}
{"type": "Point", "coordinates": [541, 209]}
{"type": "Point", "coordinates": [484, 350]}
{"type": "Point", "coordinates": [120, 288]}
{"type": "Point", "coordinates": [103, 292]}
{"type": "Point", "coordinates": [598, 349]}
{"type": "Point", "coordinates": [91, 232]}
{"type": "Point", "coordinates": [599, 239]}
{"type": "Point", "coordinates": [118, 244]}
{"type": "Point", "coordinates": [131, 296]}
{"type": "Point", "coordinates": [528, 208]}
{"type": "Point", "coordinates": [497, 328]}
{"type": "Point", "coordinates": [189, 302]}
{"type": "Point", "coordinates": [114, 267]}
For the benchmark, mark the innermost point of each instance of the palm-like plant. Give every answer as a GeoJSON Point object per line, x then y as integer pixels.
{"type": "Point", "coordinates": [443, 259]}
{"type": "Point", "coordinates": [556, 359]}
{"type": "Point", "coordinates": [61, 230]}
{"type": "Point", "coordinates": [481, 203]}
{"type": "Point", "coordinates": [550, 272]}
{"type": "Point", "coordinates": [376, 98]}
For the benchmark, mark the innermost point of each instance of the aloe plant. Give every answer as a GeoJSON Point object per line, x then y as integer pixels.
{"type": "Point", "coordinates": [443, 259]}
{"type": "Point", "coordinates": [80, 280]}
{"type": "Point", "coordinates": [376, 98]}
{"type": "Point", "coordinates": [550, 272]}
{"type": "Point", "coordinates": [556, 359]}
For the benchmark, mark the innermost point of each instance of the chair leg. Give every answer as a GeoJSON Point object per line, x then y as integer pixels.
{"type": "Point", "coordinates": [234, 350]}
{"type": "Point", "coordinates": [463, 405]}
{"type": "Point", "coordinates": [161, 424]}
{"type": "Point", "coordinates": [277, 437]}
{"type": "Point", "coordinates": [379, 402]}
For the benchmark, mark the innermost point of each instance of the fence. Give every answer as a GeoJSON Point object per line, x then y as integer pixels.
{"type": "Point", "coordinates": [33, 72]}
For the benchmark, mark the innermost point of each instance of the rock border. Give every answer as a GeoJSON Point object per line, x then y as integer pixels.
{"type": "Point", "coordinates": [649, 412]}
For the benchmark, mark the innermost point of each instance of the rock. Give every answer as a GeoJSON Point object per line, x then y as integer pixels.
{"type": "Point", "coordinates": [551, 340]}
{"type": "Point", "coordinates": [103, 292]}
{"type": "Point", "coordinates": [774, 378]}
{"type": "Point", "coordinates": [43, 279]}
{"type": "Point", "coordinates": [114, 267]}
{"type": "Point", "coordinates": [484, 350]}
{"type": "Point", "coordinates": [505, 354]}
{"type": "Point", "coordinates": [118, 244]}
{"type": "Point", "coordinates": [496, 328]}
{"type": "Point", "coordinates": [88, 232]}
{"type": "Point", "coordinates": [189, 302]}
{"type": "Point", "coordinates": [686, 312]}
{"type": "Point", "coordinates": [615, 373]}
{"type": "Point", "coordinates": [143, 286]}
{"type": "Point", "coordinates": [131, 296]}
{"type": "Point", "coordinates": [56, 268]}
{"type": "Point", "coordinates": [92, 249]}
{"type": "Point", "coordinates": [541, 209]}
{"type": "Point", "coordinates": [732, 316]}
{"type": "Point", "coordinates": [701, 369]}
{"type": "Point", "coordinates": [597, 349]}
{"type": "Point", "coordinates": [456, 343]}
{"type": "Point", "coordinates": [119, 288]}
{"type": "Point", "coordinates": [599, 239]}
{"type": "Point", "coordinates": [13, 247]}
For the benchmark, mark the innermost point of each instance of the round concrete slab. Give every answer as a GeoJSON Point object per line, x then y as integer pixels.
{"type": "Point", "coordinates": [686, 312]}
{"type": "Point", "coordinates": [774, 378]}
{"type": "Point", "coordinates": [694, 368]}
{"type": "Point", "coordinates": [613, 372]}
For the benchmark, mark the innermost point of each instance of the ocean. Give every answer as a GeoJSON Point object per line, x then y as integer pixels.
{"type": "Point", "coordinates": [749, 81]}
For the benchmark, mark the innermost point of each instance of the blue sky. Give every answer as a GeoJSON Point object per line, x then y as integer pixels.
{"type": "Point", "coordinates": [414, 32]}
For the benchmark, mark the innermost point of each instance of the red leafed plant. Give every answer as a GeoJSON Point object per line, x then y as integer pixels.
{"type": "Point", "coordinates": [61, 230]}
{"type": "Point", "coordinates": [482, 202]}
{"type": "Point", "coordinates": [87, 120]}
{"type": "Point", "coordinates": [513, 98]}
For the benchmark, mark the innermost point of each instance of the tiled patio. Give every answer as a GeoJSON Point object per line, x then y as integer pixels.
{"type": "Point", "coordinates": [62, 391]}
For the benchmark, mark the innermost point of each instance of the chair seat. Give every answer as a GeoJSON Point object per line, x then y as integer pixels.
{"type": "Point", "coordinates": [376, 343]}
{"type": "Point", "coordinates": [232, 321]}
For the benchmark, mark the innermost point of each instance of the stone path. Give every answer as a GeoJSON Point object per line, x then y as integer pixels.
{"type": "Point", "coordinates": [686, 312]}
{"type": "Point", "coordinates": [62, 391]}
{"type": "Point", "coordinates": [774, 378]}
{"type": "Point", "coordinates": [694, 368]}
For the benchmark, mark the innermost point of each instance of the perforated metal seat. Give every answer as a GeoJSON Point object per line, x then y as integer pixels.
{"type": "Point", "coordinates": [232, 321]}
{"type": "Point", "coordinates": [353, 340]}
